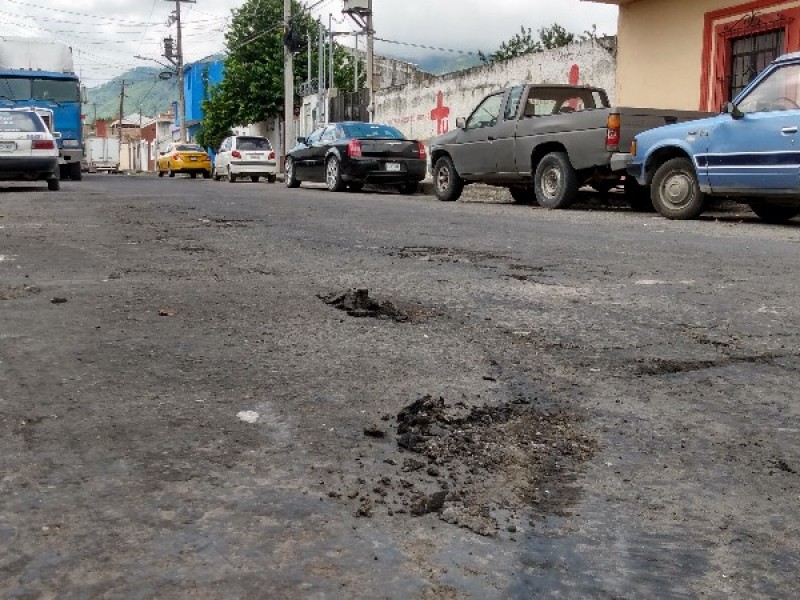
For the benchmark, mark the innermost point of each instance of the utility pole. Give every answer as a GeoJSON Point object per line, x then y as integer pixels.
{"type": "Point", "coordinates": [121, 113]}
{"type": "Point", "coordinates": [331, 82]}
{"type": "Point", "coordinates": [370, 63]}
{"type": "Point", "coordinates": [177, 60]}
{"type": "Point", "coordinates": [321, 117]}
{"type": "Point", "coordinates": [355, 66]}
{"type": "Point", "coordinates": [363, 17]}
{"type": "Point", "coordinates": [288, 81]}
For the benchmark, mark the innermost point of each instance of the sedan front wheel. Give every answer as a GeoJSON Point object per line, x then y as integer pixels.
{"type": "Point", "coordinates": [675, 191]}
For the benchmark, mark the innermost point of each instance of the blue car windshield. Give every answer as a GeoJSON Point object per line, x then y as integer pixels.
{"type": "Point", "coordinates": [371, 130]}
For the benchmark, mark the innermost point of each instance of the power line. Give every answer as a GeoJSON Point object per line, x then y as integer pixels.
{"type": "Point", "coordinates": [377, 39]}
{"type": "Point", "coordinates": [69, 12]}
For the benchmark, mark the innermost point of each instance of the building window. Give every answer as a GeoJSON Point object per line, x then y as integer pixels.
{"type": "Point", "coordinates": [750, 55]}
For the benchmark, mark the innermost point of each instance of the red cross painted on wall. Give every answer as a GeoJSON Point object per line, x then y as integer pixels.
{"type": "Point", "coordinates": [440, 114]}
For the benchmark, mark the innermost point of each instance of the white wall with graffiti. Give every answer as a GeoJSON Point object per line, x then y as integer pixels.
{"type": "Point", "coordinates": [429, 107]}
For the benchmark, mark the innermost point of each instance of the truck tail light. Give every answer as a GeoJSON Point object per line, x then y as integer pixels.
{"type": "Point", "coordinates": [354, 149]}
{"type": "Point", "coordinates": [236, 154]}
{"type": "Point", "coordinates": [422, 151]}
{"type": "Point", "coordinates": [613, 132]}
{"type": "Point", "coordinates": [43, 145]}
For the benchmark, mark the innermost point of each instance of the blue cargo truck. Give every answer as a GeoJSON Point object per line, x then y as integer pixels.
{"type": "Point", "coordinates": [40, 74]}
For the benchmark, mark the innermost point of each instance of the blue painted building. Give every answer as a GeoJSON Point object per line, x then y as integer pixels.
{"type": "Point", "coordinates": [198, 80]}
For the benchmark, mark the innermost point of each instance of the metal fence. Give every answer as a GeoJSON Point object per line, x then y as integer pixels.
{"type": "Point", "coordinates": [350, 106]}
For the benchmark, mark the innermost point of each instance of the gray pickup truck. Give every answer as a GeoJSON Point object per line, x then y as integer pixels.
{"type": "Point", "coordinates": [543, 142]}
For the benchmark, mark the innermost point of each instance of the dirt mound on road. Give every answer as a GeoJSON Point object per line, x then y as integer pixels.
{"type": "Point", "coordinates": [473, 464]}
{"type": "Point", "coordinates": [357, 303]}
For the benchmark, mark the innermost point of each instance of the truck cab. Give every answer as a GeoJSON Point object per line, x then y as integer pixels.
{"type": "Point", "coordinates": [750, 151]}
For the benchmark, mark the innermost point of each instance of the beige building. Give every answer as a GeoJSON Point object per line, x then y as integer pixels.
{"type": "Point", "coordinates": [696, 54]}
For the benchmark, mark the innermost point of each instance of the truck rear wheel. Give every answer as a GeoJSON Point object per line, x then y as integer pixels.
{"type": "Point", "coordinates": [447, 183]}
{"type": "Point", "coordinates": [555, 182]}
{"type": "Point", "coordinates": [675, 191]}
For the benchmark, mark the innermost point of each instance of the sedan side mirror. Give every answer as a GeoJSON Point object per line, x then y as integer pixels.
{"type": "Point", "coordinates": [729, 108]}
{"type": "Point", "coordinates": [461, 123]}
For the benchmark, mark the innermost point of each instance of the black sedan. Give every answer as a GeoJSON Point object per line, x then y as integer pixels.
{"type": "Point", "coordinates": [347, 155]}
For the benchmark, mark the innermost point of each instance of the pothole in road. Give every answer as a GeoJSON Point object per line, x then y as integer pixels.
{"type": "Point", "coordinates": [452, 255]}
{"type": "Point", "coordinates": [471, 464]}
{"type": "Point", "coordinates": [193, 249]}
{"type": "Point", "coordinates": [358, 303]}
{"type": "Point", "coordinates": [225, 221]}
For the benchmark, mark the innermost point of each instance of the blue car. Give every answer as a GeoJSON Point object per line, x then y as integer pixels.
{"type": "Point", "coordinates": [751, 152]}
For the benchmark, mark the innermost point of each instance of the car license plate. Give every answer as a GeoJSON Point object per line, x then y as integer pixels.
{"type": "Point", "coordinates": [192, 158]}
{"type": "Point", "coordinates": [8, 146]}
{"type": "Point", "coordinates": [252, 156]}
{"type": "Point", "coordinates": [392, 166]}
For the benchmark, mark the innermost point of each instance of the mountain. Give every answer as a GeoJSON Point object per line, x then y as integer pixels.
{"type": "Point", "coordinates": [145, 93]}
{"type": "Point", "coordinates": [439, 65]}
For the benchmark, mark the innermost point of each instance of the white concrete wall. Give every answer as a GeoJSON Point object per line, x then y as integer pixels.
{"type": "Point", "coordinates": [413, 107]}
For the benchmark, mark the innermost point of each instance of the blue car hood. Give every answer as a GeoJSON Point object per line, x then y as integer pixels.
{"type": "Point", "coordinates": [677, 131]}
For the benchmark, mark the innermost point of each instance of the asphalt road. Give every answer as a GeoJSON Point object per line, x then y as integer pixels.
{"type": "Point", "coordinates": [590, 403]}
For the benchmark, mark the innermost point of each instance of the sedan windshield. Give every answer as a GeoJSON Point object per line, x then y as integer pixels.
{"type": "Point", "coordinates": [371, 130]}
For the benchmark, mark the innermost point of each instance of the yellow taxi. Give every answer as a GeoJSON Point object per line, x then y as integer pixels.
{"type": "Point", "coordinates": [181, 157]}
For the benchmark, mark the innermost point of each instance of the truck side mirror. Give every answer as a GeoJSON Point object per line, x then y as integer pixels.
{"type": "Point", "coordinates": [461, 123]}
{"type": "Point", "coordinates": [84, 95]}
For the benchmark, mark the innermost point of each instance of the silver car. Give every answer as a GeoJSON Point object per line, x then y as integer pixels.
{"type": "Point", "coordinates": [245, 156]}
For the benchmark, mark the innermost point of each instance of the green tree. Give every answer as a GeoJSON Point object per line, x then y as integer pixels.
{"type": "Point", "coordinates": [252, 88]}
{"type": "Point", "coordinates": [555, 36]}
{"type": "Point", "coordinates": [524, 42]}
{"type": "Point", "coordinates": [521, 43]}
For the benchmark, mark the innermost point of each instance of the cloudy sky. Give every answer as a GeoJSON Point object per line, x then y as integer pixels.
{"type": "Point", "coordinates": [108, 35]}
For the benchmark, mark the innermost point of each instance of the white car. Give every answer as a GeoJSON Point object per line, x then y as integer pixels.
{"type": "Point", "coordinates": [245, 156]}
{"type": "Point", "coordinates": [28, 150]}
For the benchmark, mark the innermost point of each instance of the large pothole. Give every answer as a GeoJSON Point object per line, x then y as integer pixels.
{"type": "Point", "coordinates": [358, 303]}
{"type": "Point", "coordinates": [475, 466]}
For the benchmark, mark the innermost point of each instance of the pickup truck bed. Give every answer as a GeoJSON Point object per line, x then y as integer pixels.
{"type": "Point", "coordinates": [542, 142]}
